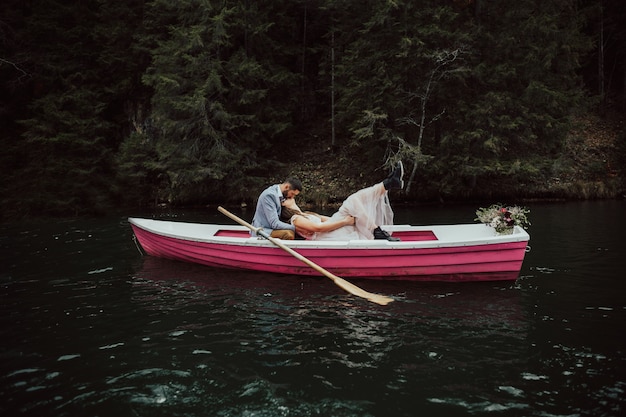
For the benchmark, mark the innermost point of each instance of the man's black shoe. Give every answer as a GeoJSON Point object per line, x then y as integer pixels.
{"type": "Point", "coordinates": [380, 234]}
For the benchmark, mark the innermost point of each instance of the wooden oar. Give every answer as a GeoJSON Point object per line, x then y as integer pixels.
{"type": "Point", "coordinates": [351, 288]}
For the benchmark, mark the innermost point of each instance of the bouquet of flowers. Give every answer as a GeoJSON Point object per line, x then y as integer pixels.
{"type": "Point", "coordinates": [503, 218]}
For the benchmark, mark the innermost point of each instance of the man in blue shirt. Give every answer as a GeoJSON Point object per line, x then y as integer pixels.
{"type": "Point", "coordinates": [268, 207]}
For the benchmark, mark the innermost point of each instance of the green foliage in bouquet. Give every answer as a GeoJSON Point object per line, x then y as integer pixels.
{"type": "Point", "coordinates": [503, 218]}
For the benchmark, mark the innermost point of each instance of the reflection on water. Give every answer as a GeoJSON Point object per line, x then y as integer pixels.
{"type": "Point", "coordinates": [91, 328]}
{"type": "Point", "coordinates": [309, 338]}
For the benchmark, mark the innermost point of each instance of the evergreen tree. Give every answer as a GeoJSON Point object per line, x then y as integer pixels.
{"type": "Point", "coordinates": [391, 73]}
{"type": "Point", "coordinates": [523, 88]}
{"type": "Point", "coordinates": [65, 137]}
{"type": "Point", "coordinates": [199, 100]}
{"type": "Point", "coordinates": [15, 90]}
{"type": "Point", "coordinates": [216, 103]}
{"type": "Point", "coordinates": [70, 131]}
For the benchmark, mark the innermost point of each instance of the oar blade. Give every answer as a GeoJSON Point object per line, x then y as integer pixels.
{"type": "Point", "coordinates": [382, 300]}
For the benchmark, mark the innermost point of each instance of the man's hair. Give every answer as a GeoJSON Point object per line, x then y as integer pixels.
{"type": "Point", "coordinates": [294, 183]}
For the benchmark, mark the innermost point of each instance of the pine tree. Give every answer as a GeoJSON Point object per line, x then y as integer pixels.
{"type": "Point", "coordinates": [523, 88]}
{"type": "Point", "coordinates": [80, 78]}
{"type": "Point", "coordinates": [392, 73]}
{"type": "Point", "coordinates": [66, 135]}
{"type": "Point", "coordinates": [215, 105]}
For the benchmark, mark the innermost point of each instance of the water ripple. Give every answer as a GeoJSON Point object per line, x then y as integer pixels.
{"type": "Point", "coordinates": [90, 328]}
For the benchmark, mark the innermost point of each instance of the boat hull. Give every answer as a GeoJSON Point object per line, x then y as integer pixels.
{"type": "Point", "coordinates": [423, 255]}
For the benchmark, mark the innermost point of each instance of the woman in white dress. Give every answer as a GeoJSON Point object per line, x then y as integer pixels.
{"type": "Point", "coordinates": [359, 217]}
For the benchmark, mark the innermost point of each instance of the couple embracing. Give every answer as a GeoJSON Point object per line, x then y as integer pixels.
{"type": "Point", "coordinates": [358, 218]}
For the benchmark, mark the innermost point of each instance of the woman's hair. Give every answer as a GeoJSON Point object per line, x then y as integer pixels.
{"type": "Point", "coordinates": [287, 213]}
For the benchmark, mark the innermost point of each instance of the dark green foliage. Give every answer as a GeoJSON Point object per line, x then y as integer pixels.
{"type": "Point", "coordinates": [524, 75]}
{"type": "Point", "coordinates": [216, 101]}
{"type": "Point", "coordinates": [79, 73]}
{"type": "Point", "coordinates": [65, 136]}
{"type": "Point", "coordinates": [196, 101]}
{"type": "Point", "coordinates": [520, 94]}
{"type": "Point", "coordinates": [620, 159]}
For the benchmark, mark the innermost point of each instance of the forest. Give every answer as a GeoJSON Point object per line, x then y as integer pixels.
{"type": "Point", "coordinates": [137, 103]}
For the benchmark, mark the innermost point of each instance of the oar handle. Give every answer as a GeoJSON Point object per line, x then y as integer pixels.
{"type": "Point", "coordinates": [239, 220]}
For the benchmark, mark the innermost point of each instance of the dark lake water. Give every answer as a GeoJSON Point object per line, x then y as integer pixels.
{"type": "Point", "coordinates": [89, 327]}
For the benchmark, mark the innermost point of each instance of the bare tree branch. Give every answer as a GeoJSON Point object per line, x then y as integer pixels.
{"type": "Point", "coordinates": [442, 66]}
{"type": "Point", "coordinates": [14, 65]}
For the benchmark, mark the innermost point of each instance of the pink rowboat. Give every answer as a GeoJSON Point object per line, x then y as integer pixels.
{"type": "Point", "coordinates": [458, 253]}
